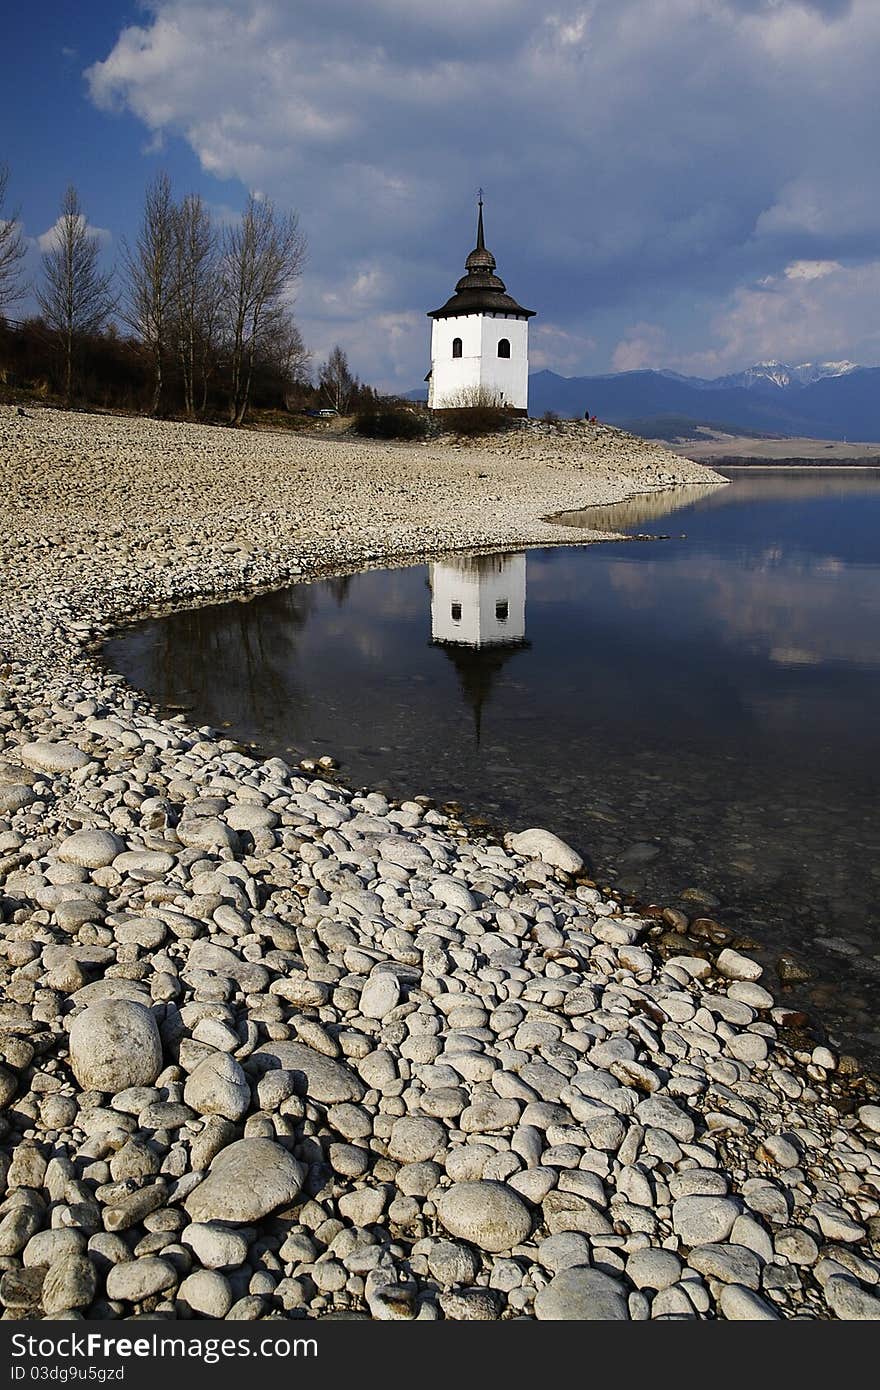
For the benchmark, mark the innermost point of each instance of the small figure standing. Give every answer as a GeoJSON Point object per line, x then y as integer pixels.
{"type": "Point", "coordinates": [587, 416]}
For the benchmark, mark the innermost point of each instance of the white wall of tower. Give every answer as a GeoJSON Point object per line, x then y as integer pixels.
{"type": "Point", "coordinates": [479, 364]}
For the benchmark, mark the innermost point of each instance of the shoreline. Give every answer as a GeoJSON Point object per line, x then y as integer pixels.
{"type": "Point", "coordinates": [763, 465]}
{"type": "Point", "coordinates": [475, 1088]}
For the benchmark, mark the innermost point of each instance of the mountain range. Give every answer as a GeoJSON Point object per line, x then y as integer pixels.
{"type": "Point", "coordinates": [815, 400]}
{"type": "Point", "coordinates": [829, 400]}
{"type": "Point", "coordinates": [770, 376]}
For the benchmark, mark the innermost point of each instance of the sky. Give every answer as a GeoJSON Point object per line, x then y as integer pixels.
{"type": "Point", "coordinates": [686, 184]}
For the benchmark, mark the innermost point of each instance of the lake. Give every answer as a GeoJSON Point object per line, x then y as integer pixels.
{"type": "Point", "coordinates": [699, 715]}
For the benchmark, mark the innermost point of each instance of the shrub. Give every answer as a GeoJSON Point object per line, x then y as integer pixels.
{"type": "Point", "coordinates": [391, 422]}
{"type": "Point", "coordinates": [475, 419]}
{"type": "Point", "coordinates": [473, 410]}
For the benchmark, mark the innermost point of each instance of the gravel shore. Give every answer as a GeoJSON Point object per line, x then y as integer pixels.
{"type": "Point", "coordinates": [271, 1048]}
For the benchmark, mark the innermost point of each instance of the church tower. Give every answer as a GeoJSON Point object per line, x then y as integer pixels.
{"type": "Point", "coordinates": [480, 340]}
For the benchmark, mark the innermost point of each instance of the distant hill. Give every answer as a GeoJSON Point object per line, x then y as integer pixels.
{"type": "Point", "coordinates": [845, 406]}
{"type": "Point", "coordinates": [669, 427]}
{"type": "Point", "coordinates": [824, 400]}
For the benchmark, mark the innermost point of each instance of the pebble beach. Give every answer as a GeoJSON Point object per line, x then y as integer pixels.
{"type": "Point", "coordinates": [273, 1047]}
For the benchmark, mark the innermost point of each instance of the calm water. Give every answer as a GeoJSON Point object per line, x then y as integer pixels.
{"type": "Point", "coordinates": [700, 712]}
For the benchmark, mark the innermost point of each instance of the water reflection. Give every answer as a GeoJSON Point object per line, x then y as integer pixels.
{"type": "Point", "coordinates": [698, 713]}
{"type": "Point", "coordinates": [478, 618]}
{"type": "Point", "coordinates": [637, 511]}
{"type": "Point", "coordinates": [479, 601]}
{"type": "Point", "coordinates": [789, 485]}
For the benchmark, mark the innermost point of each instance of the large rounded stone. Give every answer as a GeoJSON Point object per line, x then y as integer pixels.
{"type": "Point", "coordinates": [114, 1044]}
{"type": "Point", "coordinates": [703, 1220]}
{"type": "Point", "coordinates": [215, 1246]}
{"type": "Point", "coordinates": [206, 1292]}
{"type": "Point", "coordinates": [143, 864]}
{"type": "Point", "coordinates": [320, 1078]}
{"type": "Point", "coordinates": [737, 967]}
{"type": "Point", "coordinates": [451, 1263]}
{"type": "Point", "coordinates": [244, 816]}
{"type": "Point", "coordinates": [246, 1181]}
{"type": "Point", "coordinates": [90, 849]}
{"type": "Point", "coordinates": [414, 1140]}
{"type": "Point", "coordinates": [15, 797]}
{"type": "Point", "coordinates": [134, 1280]}
{"type": "Point", "coordinates": [208, 833]}
{"type": "Point", "coordinates": [8, 1086]}
{"type": "Point", "coordinates": [582, 1295]}
{"type": "Point", "coordinates": [43, 756]}
{"type": "Point", "coordinates": [487, 1214]}
{"type": "Point", "coordinates": [70, 1283]}
{"type": "Point", "coordinates": [869, 1117]}
{"type": "Point", "coordinates": [380, 994]}
{"type": "Point", "coordinates": [544, 845]}
{"type": "Point", "coordinates": [849, 1301]}
{"type": "Point", "coordinates": [218, 1086]}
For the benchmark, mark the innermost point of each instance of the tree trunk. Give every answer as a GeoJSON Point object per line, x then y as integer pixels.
{"type": "Point", "coordinates": [189, 373]}
{"type": "Point", "coordinates": [157, 381]}
{"type": "Point", "coordinates": [246, 389]}
{"type": "Point", "coordinates": [68, 368]}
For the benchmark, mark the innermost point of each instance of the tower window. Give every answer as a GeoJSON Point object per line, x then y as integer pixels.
{"type": "Point", "coordinates": [456, 347]}
{"type": "Point", "coordinates": [501, 611]}
{"type": "Point", "coordinates": [455, 612]}
{"type": "Point", "coordinates": [504, 347]}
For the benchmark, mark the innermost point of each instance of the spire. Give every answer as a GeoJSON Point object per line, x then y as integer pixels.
{"type": "Point", "coordinates": [480, 259]}
{"type": "Point", "coordinates": [480, 290]}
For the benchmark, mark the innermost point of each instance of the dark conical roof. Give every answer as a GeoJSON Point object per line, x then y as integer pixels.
{"type": "Point", "coordinates": [480, 290]}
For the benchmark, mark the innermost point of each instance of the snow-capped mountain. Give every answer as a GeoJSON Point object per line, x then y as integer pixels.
{"type": "Point", "coordinates": [772, 375]}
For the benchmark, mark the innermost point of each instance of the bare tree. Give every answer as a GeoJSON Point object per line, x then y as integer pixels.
{"type": "Point", "coordinates": [263, 254]}
{"type": "Point", "coordinates": [12, 250]}
{"type": "Point", "coordinates": [197, 296]}
{"type": "Point", "coordinates": [76, 296]}
{"type": "Point", "coordinates": [150, 267]}
{"type": "Point", "coordinates": [336, 382]}
{"type": "Point", "coordinates": [287, 353]}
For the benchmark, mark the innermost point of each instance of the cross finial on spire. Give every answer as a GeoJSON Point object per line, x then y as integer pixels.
{"type": "Point", "coordinates": [481, 245]}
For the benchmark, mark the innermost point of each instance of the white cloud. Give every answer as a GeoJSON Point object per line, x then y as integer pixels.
{"type": "Point", "coordinates": [569, 31]}
{"type": "Point", "coordinates": [821, 311]}
{"type": "Point", "coordinates": [389, 350]}
{"type": "Point", "coordinates": [811, 270]}
{"type": "Point", "coordinates": [49, 240]}
{"type": "Point", "coordinates": [645, 346]}
{"type": "Point", "coordinates": [557, 349]}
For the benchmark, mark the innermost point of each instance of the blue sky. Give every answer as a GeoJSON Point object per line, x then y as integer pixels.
{"type": "Point", "coordinates": [680, 183]}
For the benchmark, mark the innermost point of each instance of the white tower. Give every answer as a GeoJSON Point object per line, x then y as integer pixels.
{"type": "Point", "coordinates": [480, 339]}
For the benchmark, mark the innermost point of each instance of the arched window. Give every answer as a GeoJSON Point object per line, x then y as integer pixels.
{"type": "Point", "coordinates": [502, 610]}
{"type": "Point", "coordinates": [504, 347]}
{"type": "Point", "coordinates": [456, 347]}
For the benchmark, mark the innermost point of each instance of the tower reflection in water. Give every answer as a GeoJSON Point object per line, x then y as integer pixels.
{"type": "Point", "coordinates": [478, 617]}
